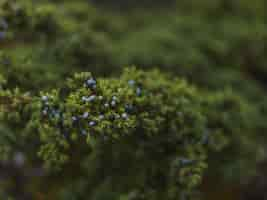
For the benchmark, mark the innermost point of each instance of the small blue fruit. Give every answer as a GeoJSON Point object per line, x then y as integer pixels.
{"type": "Point", "coordinates": [44, 112]}
{"type": "Point", "coordinates": [138, 91]}
{"type": "Point", "coordinates": [124, 116]}
{"type": "Point", "coordinates": [131, 82]}
{"type": "Point", "coordinates": [85, 115]}
{"type": "Point", "coordinates": [114, 98]}
{"type": "Point", "coordinates": [84, 132]}
{"type": "Point", "coordinates": [128, 108]}
{"type": "Point", "coordinates": [84, 98]}
{"type": "Point", "coordinates": [74, 118]}
{"type": "Point", "coordinates": [113, 103]}
{"type": "Point", "coordinates": [91, 83]}
{"type": "Point", "coordinates": [92, 123]}
{"type": "Point", "coordinates": [44, 98]}
{"type": "Point", "coordinates": [91, 98]}
{"type": "Point", "coordinates": [186, 161]}
{"type": "Point", "coordinates": [106, 105]}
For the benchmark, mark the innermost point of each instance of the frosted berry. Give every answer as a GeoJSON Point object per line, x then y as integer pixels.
{"type": "Point", "coordinates": [92, 123]}
{"type": "Point", "coordinates": [131, 82]}
{"type": "Point", "coordinates": [85, 115]}
{"type": "Point", "coordinates": [124, 116]}
{"type": "Point", "coordinates": [44, 98]}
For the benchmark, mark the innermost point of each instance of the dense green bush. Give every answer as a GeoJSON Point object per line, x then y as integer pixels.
{"type": "Point", "coordinates": [153, 133]}
{"type": "Point", "coordinates": [146, 128]}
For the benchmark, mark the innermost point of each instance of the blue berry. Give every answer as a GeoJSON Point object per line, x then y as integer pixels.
{"type": "Point", "coordinates": [84, 132]}
{"type": "Point", "coordinates": [74, 118]}
{"type": "Point", "coordinates": [92, 123]}
{"type": "Point", "coordinates": [131, 82]}
{"type": "Point", "coordinates": [91, 83]}
{"type": "Point", "coordinates": [85, 115]}
{"type": "Point", "coordinates": [128, 108]}
{"type": "Point", "coordinates": [106, 105]}
{"type": "Point", "coordinates": [138, 91]}
{"type": "Point", "coordinates": [124, 116]}
{"type": "Point", "coordinates": [91, 98]}
{"type": "Point", "coordinates": [44, 112]}
{"type": "Point", "coordinates": [45, 98]}
{"type": "Point", "coordinates": [113, 103]}
{"type": "Point", "coordinates": [114, 98]}
{"type": "Point", "coordinates": [186, 161]}
{"type": "Point", "coordinates": [84, 98]}
{"type": "Point", "coordinates": [55, 113]}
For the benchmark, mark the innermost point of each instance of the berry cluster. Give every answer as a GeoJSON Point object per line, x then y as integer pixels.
{"type": "Point", "coordinates": [51, 111]}
{"type": "Point", "coordinates": [103, 109]}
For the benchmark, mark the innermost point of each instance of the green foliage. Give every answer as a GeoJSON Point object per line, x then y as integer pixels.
{"type": "Point", "coordinates": [148, 129]}
{"type": "Point", "coordinates": [152, 131]}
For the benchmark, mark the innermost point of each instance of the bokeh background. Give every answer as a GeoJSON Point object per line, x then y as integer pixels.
{"type": "Point", "coordinates": [213, 44]}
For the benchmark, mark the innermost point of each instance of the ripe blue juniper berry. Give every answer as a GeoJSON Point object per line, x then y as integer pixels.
{"type": "Point", "coordinates": [113, 103]}
{"type": "Point", "coordinates": [85, 115]}
{"type": "Point", "coordinates": [74, 118]}
{"type": "Point", "coordinates": [45, 112]}
{"type": "Point", "coordinates": [129, 108]}
{"type": "Point", "coordinates": [131, 82]}
{"type": "Point", "coordinates": [44, 98]}
{"type": "Point", "coordinates": [184, 161]}
{"type": "Point", "coordinates": [106, 105]}
{"type": "Point", "coordinates": [101, 117]}
{"type": "Point", "coordinates": [91, 98]}
{"type": "Point", "coordinates": [91, 83]}
{"type": "Point", "coordinates": [124, 116]}
{"type": "Point", "coordinates": [114, 98]}
{"type": "Point", "coordinates": [83, 132]}
{"type": "Point", "coordinates": [84, 98]}
{"type": "Point", "coordinates": [92, 123]}
{"type": "Point", "coordinates": [56, 113]}
{"type": "Point", "coordinates": [138, 91]}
